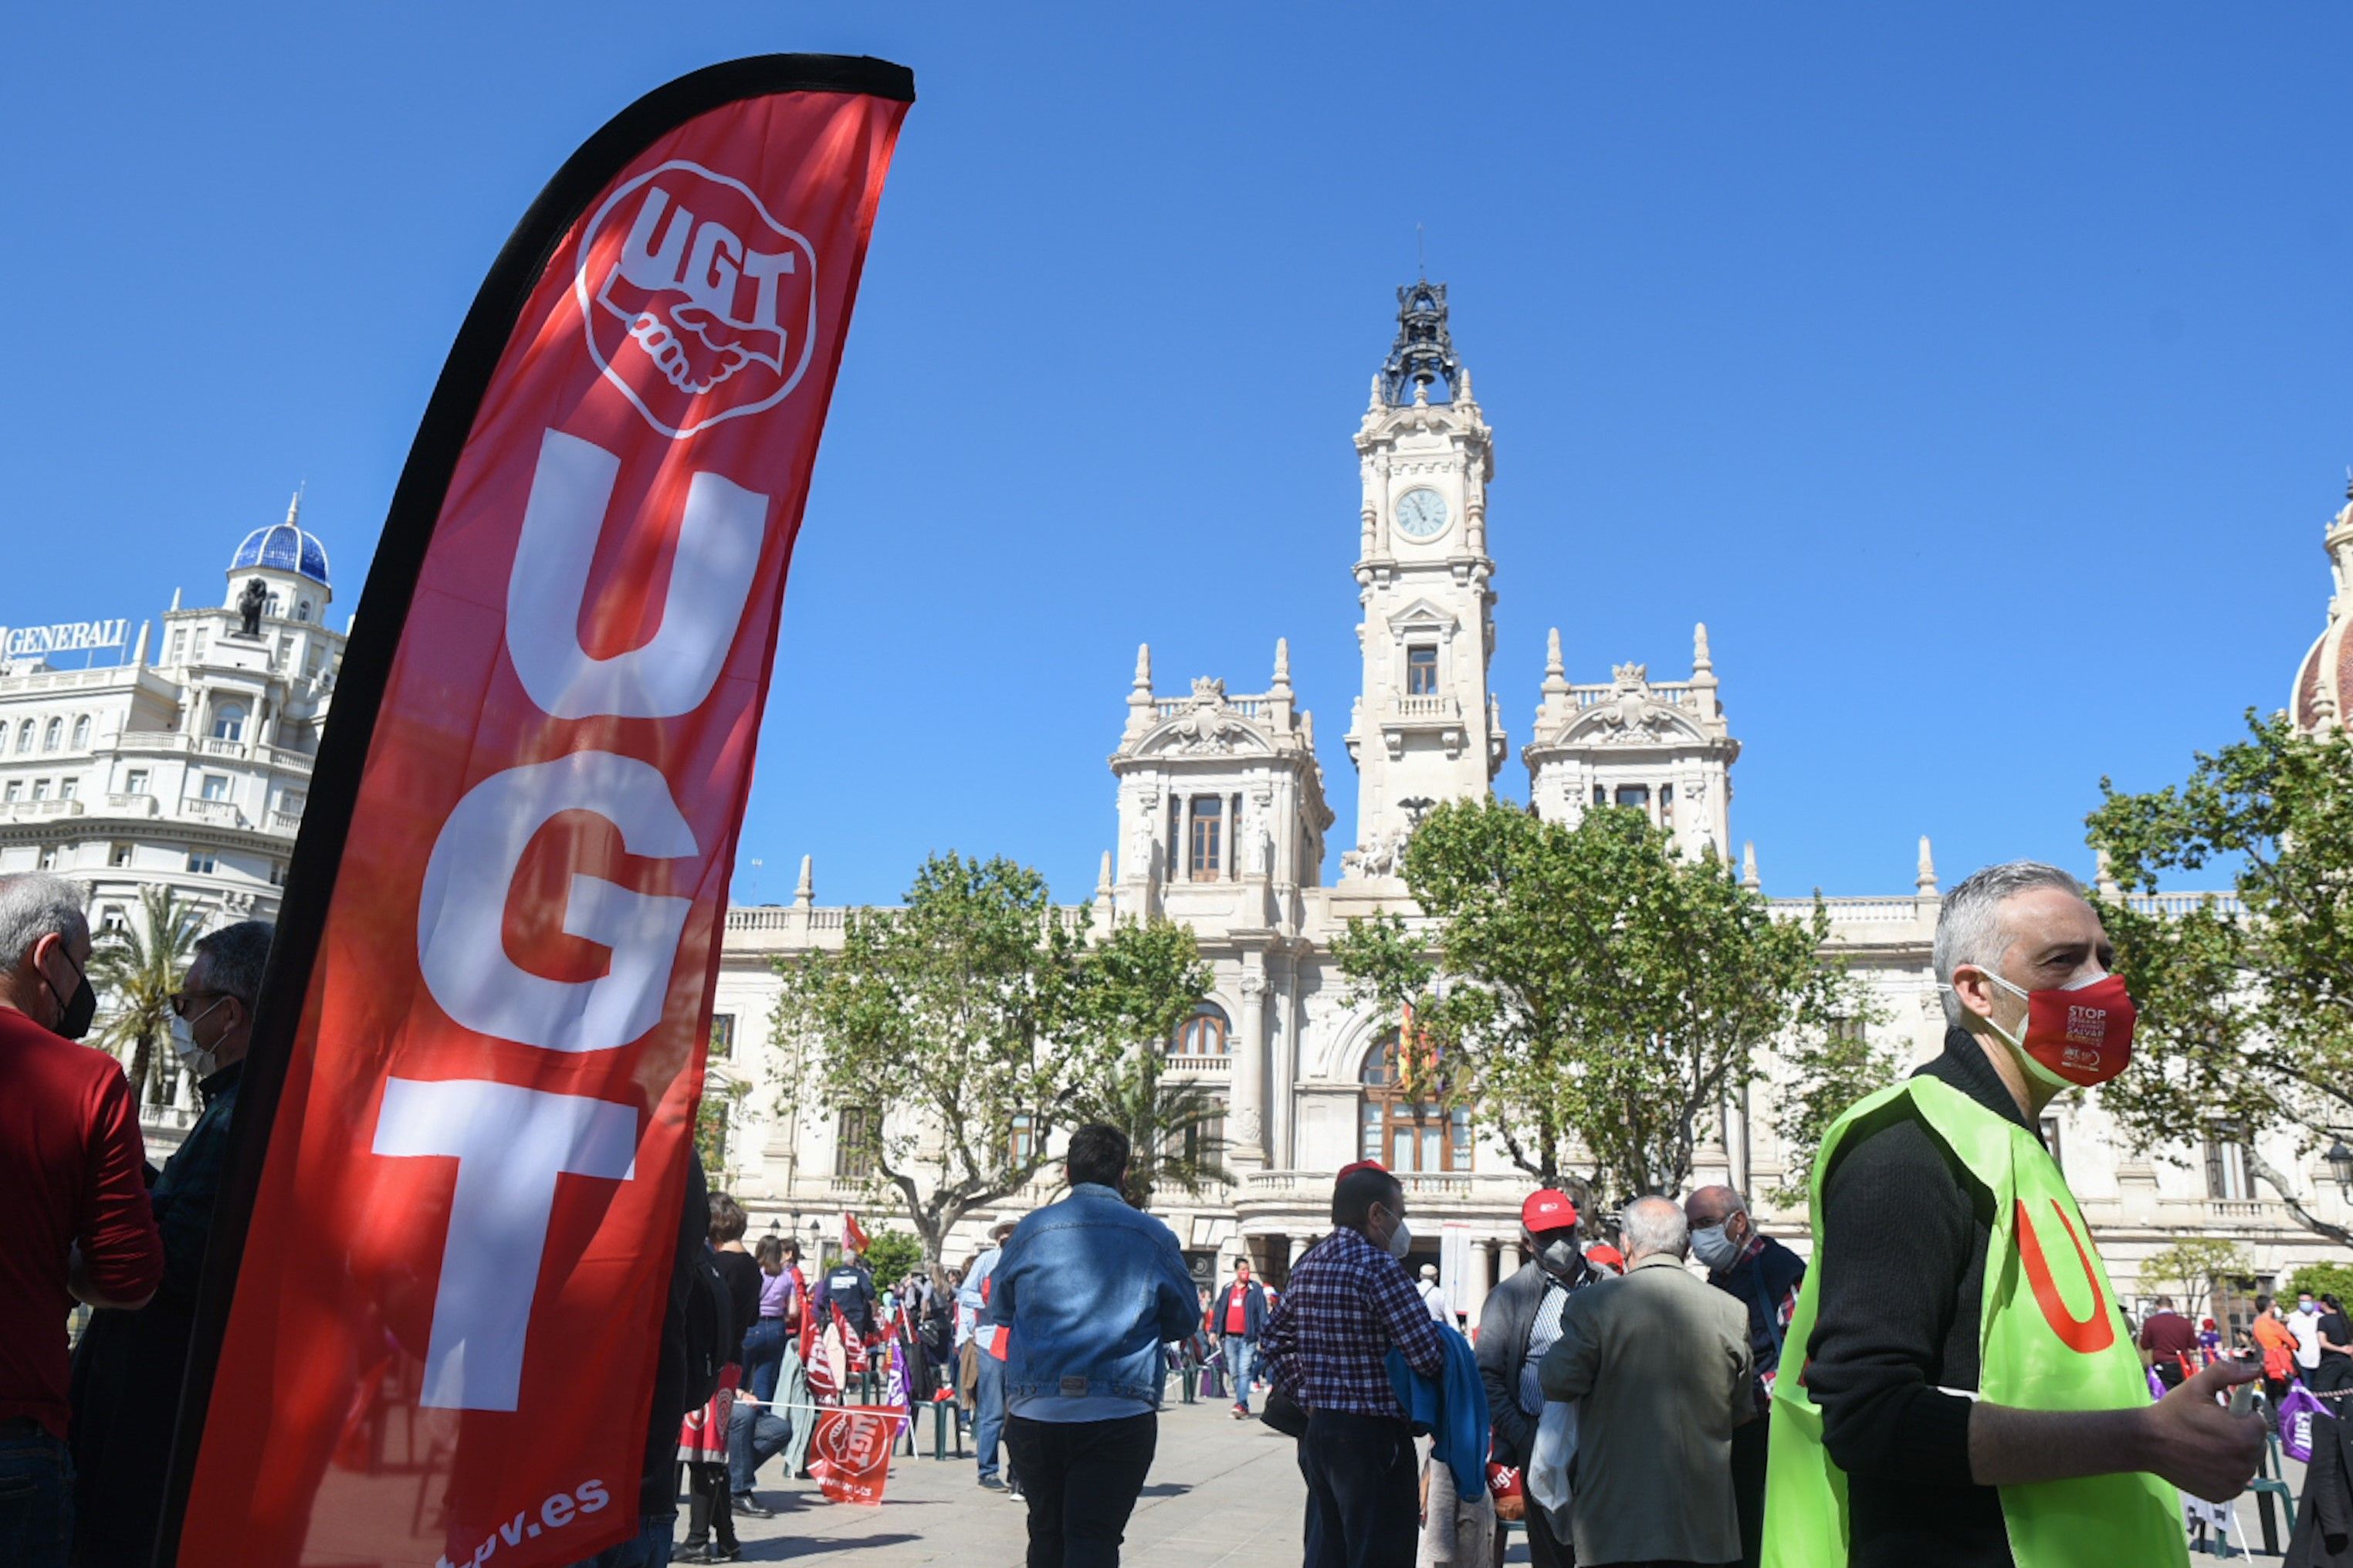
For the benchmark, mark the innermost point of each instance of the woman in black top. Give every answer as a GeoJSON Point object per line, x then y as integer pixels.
{"type": "Point", "coordinates": [2336, 1369]}
{"type": "Point", "coordinates": [708, 1513]}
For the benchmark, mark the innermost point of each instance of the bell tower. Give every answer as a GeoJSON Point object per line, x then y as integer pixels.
{"type": "Point", "coordinates": [1424, 727]}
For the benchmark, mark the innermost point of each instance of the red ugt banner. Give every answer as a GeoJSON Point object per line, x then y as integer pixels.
{"type": "Point", "coordinates": [494, 971]}
{"type": "Point", "coordinates": [849, 1451]}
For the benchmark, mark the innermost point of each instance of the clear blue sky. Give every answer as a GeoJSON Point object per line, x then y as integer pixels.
{"type": "Point", "coordinates": [1983, 377]}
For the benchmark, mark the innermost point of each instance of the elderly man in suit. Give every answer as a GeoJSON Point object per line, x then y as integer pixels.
{"type": "Point", "coordinates": [1659, 1364]}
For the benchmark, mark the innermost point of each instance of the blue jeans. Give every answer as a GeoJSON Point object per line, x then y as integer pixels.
{"type": "Point", "coordinates": [1239, 1353]}
{"type": "Point", "coordinates": [754, 1437]}
{"type": "Point", "coordinates": [989, 1426]}
{"type": "Point", "coordinates": [763, 1357]}
{"type": "Point", "coordinates": [35, 1496]}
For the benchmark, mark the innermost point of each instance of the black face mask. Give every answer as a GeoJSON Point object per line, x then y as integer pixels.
{"type": "Point", "coordinates": [1560, 1258]}
{"type": "Point", "coordinates": [79, 1010]}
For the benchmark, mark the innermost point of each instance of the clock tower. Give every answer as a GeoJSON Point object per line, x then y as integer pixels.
{"type": "Point", "coordinates": [1425, 728]}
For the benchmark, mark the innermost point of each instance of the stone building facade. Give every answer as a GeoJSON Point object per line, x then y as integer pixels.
{"type": "Point", "coordinates": [1221, 821]}
{"type": "Point", "coordinates": [186, 764]}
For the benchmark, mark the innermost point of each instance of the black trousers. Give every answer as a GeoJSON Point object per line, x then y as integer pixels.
{"type": "Point", "coordinates": [1081, 1479]}
{"type": "Point", "coordinates": [709, 1505]}
{"type": "Point", "coordinates": [1750, 1446]}
{"type": "Point", "coordinates": [1363, 1500]}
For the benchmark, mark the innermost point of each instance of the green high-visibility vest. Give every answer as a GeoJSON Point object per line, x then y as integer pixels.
{"type": "Point", "coordinates": [2049, 1338]}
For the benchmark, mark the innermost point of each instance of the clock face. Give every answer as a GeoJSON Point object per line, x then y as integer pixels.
{"type": "Point", "coordinates": [1422, 515]}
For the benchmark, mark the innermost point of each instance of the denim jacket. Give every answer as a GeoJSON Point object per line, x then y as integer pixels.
{"type": "Point", "coordinates": [1092, 1290]}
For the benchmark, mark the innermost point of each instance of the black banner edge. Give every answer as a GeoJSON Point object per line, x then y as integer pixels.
{"type": "Point", "coordinates": [381, 617]}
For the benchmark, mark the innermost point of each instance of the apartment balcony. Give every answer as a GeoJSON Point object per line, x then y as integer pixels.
{"type": "Point", "coordinates": [212, 813]}
{"type": "Point", "coordinates": [42, 811]}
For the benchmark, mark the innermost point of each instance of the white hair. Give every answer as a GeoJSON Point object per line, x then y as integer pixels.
{"type": "Point", "coordinates": [34, 905]}
{"type": "Point", "coordinates": [1653, 1225]}
{"type": "Point", "coordinates": [1969, 928]}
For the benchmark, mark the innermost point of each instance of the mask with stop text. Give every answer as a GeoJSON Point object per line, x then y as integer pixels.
{"type": "Point", "coordinates": [2075, 1036]}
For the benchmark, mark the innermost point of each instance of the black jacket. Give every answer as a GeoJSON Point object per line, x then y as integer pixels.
{"type": "Point", "coordinates": [1253, 1312]}
{"type": "Point", "coordinates": [128, 1368]}
{"type": "Point", "coordinates": [1900, 1259]}
{"type": "Point", "coordinates": [2324, 1524]}
{"type": "Point", "coordinates": [1503, 1325]}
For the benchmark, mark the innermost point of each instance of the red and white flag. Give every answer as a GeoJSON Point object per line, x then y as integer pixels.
{"type": "Point", "coordinates": [849, 1451]}
{"type": "Point", "coordinates": [471, 1092]}
{"type": "Point", "coordinates": [853, 1234]}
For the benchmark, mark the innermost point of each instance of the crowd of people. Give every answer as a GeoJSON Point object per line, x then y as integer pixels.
{"type": "Point", "coordinates": [1624, 1405]}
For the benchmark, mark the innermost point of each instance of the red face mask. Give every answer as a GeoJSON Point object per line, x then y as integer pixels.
{"type": "Point", "coordinates": [2076, 1036]}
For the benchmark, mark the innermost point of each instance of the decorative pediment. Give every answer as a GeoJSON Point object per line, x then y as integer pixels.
{"type": "Point", "coordinates": [1423, 618]}
{"type": "Point", "coordinates": [1206, 726]}
{"type": "Point", "coordinates": [1632, 716]}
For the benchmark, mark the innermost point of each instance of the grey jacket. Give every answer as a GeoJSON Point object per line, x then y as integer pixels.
{"type": "Point", "coordinates": [1659, 1364]}
{"type": "Point", "coordinates": [1503, 1325]}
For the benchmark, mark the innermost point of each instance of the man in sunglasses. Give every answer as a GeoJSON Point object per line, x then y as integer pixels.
{"type": "Point", "coordinates": [127, 1368]}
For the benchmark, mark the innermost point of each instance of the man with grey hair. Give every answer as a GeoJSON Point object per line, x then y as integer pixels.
{"type": "Point", "coordinates": [1964, 1374]}
{"type": "Point", "coordinates": [73, 1178]}
{"type": "Point", "coordinates": [1658, 1364]}
{"type": "Point", "coordinates": [127, 1368]}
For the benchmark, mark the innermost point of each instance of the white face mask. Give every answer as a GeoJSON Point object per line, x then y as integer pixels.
{"type": "Point", "coordinates": [1400, 1240]}
{"type": "Point", "coordinates": [1714, 1248]}
{"type": "Point", "coordinates": [194, 1057]}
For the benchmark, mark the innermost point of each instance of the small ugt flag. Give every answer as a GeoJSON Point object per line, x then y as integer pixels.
{"type": "Point", "coordinates": [853, 1234]}
{"type": "Point", "coordinates": [849, 1452]}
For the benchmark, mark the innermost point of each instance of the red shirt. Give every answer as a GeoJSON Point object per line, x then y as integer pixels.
{"type": "Point", "coordinates": [70, 1171]}
{"type": "Point", "coordinates": [2166, 1335]}
{"type": "Point", "coordinates": [1238, 1310]}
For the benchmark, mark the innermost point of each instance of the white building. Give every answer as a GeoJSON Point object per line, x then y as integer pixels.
{"type": "Point", "coordinates": [185, 764]}
{"type": "Point", "coordinates": [1221, 818]}
{"type": "Point", "coordinates": [188, 764]}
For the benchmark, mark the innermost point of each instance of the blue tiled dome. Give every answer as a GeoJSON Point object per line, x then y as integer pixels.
{"type": "Point", "coordinates": [284, 547]}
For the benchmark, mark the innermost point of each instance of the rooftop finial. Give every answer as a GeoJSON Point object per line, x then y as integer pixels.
{"type": "Point", "coordinates": [806, 893]}
{"type": "Point", "coordinates": [1424, 350]}
{"type": "Point", "coordinates": [1701, 663]}
{"type": "Point", "coordinates": [1283, 663]}
{"type": "Point", "coordinates": [1102, 877]}
{"type": "Point", "coordinates": [1144, 666]}
{"type": "Point", "coordinates": [1553, 666]}
{"type": "Point", "coordinates": [1927, 879]}
{"type": "Point", "coordinates": [1748, 878]}
{"type": "Point", "coordinates": [294, 507]}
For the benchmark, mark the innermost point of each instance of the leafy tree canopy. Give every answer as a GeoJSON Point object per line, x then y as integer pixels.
{"type": "Point", "coordinates": [2322, 1279]}
{"type": "Point", "coordinates": [962, 1027]}
{"type": "Point", "coordinates": [1590, 994]}
{"type": "Point", "coordinates": [2191, 1268]}
{"type": "Point", "coordinates": [137, 966]}
{"type": "Point", "coordinates": [891, 1256]}
{"type": "Point", "coordinates": [2246, 1017]}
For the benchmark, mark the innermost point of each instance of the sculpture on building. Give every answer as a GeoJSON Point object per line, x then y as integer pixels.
{"type": "Point", "coordinates": [250, 605]}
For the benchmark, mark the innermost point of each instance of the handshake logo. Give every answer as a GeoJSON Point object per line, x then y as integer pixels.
{"type": "Point", "coordinates": [698, 304]}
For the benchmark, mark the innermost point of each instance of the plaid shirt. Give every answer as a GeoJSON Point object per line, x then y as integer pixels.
{"type": "Point", "coordinates": [1347, 1303]}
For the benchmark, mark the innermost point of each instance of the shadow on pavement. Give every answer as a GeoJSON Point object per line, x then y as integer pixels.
{"type": "Point", "coordinates": [785, 1551]}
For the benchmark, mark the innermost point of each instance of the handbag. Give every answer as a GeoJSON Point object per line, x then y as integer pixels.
{"type": "Point", "coordinates": [1509, 1488]}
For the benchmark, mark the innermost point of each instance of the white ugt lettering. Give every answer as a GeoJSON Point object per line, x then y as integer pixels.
{"type": "Point", "coordinates": [711, 574]}
{"type": "Point", "coordinates": [460, 944]}
{"type": "Point", "coordinates": [511, 1144]}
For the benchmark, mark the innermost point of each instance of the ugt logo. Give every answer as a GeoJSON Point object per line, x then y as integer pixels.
{"type": "Point", "coordinates": [698, 304]}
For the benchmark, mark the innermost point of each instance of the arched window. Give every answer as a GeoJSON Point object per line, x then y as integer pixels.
{"type": "Point", "coordinates": [81, 732]}
{"type": "Point", "coordinates": [53, 735]}
{"type": "Point", "coordinates": [1203, 1034]}
{"type": "Point", "coordinates": [25, 735]}
{"type": "Point", "coordinates": [1401, 1131]}
{"type": "Point", "coordinates": [228, 721]}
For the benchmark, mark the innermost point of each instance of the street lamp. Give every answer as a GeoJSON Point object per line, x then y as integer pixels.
{"type": "Point", "coordinates": [2340, 1165]}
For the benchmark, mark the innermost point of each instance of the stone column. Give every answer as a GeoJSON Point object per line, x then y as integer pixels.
{"type": "Point", "coordinates": [1513, 1260]}
{"type": "Point", "coordinates": [1283, 1062]}
{"type": "Point", "coordinates": [1483, 1279]}
{"type": "Point", "coordinates": [1248, 1143]}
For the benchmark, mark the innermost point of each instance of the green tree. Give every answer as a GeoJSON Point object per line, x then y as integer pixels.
{"type": "Point", "coordinates": [1141, 983]}
{"type": "Point", "coordinates": [1828, 1070]}
{"type": "Point", "coordinates": [957, 1025]}
{"type": "Point", "coordinates": [711, 1120]}
{"type": "Point", "coordinates": [2246, 1023]}
{"type": "Point", "coordinates": [1590, 994]}
{"type": "Point", "coordinates": [2322, 1279]}
{"type": "Point", "coordinates": [891, 1256]}
{"type": "Point", "coordinates": [136, 967]}
{"type": "Point", "coordinates": [2193, 1265]}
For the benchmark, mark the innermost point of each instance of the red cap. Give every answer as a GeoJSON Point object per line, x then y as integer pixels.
{"type": "Point", "coordinates": [1348, 1170]}
{"type": "Point", "coordinates": [1603, 1253]}
{"type": "Point", "coordinates": [1546, 1209]}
